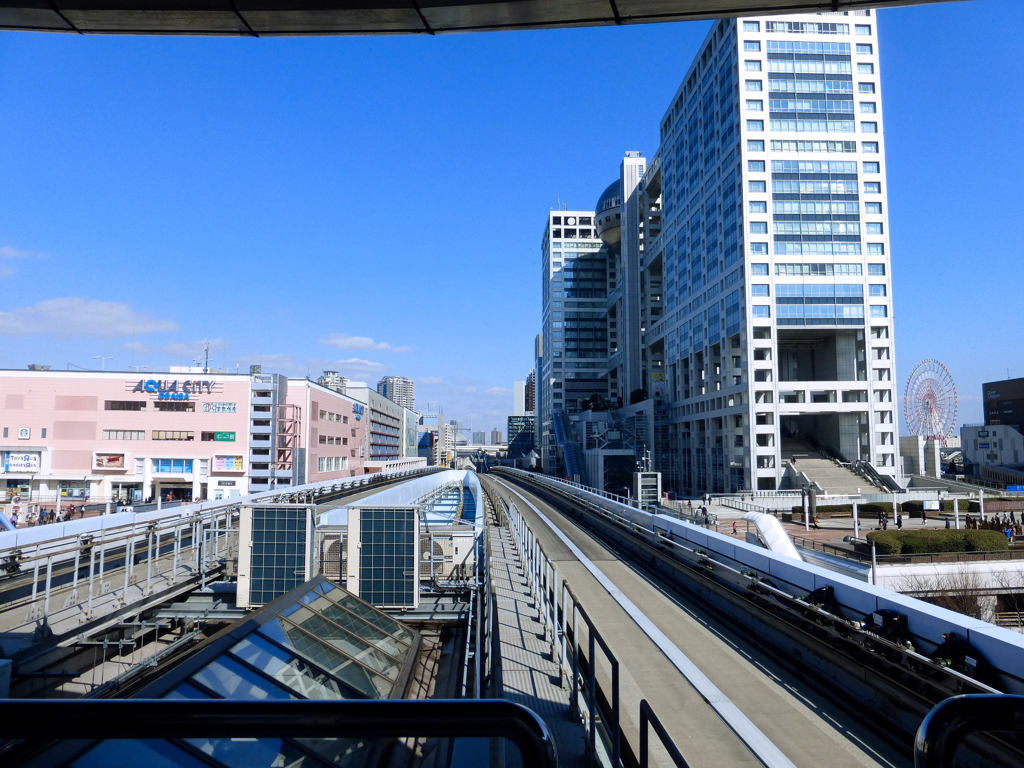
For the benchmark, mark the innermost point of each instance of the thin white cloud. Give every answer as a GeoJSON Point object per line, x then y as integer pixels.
{"type": "Point", "coordinates": [498, 391]}
{"type": "Point", "coordinates": [357, 365]}
{"type": "Point", "coordinates": [344, 341]}
{"type": "Point", "coordinates": [428, 380]}
{"type": "Point", "coordinates": [77, 317]}
{"type": "Point", "coordinates": [136, 347]}
{"type": "Point", "coordinates": [10, 252]}
{"type": "Point", "coordinates": [470, 390]}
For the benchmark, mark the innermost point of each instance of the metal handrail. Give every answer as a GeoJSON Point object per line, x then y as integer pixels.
{"type": "Point", "coordinates": [548, 586]}
{"type": "Point", "coordinates": [647, 717]}
{"type": "Point", "coordinates": [222, 718]}
{"type": "Point", "coordinates": [956, 718]}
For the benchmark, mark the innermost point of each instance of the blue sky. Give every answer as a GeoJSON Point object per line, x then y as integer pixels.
{"type": "Point", "coordinates": [375, 205]}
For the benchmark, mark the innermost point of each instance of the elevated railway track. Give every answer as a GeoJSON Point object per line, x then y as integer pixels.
{"type": "Point", "coordinates": [796, 678]}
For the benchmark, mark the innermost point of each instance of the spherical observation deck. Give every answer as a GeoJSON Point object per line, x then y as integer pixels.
{"type": "Point", "coordinates": [609, 214]}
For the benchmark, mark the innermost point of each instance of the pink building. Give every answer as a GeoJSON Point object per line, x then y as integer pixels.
{"type": "Point", "coordinates": [107, 435]}
{"type": "Point", "coordinates": [333, 431]}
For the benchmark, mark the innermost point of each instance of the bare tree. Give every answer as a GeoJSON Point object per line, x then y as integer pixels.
{"type": "Point", "coordinates": [1011, 599]}
{"type": "Point", "coordinates": [959, 590]}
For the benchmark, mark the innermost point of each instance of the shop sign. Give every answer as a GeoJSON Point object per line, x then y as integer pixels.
{"type": "Point", "coordinates": [24, 433]}
{"type": "Point", "coordinates": [224, 437]}
{"type": "Point", "coordinates": [108, 461]}
{"type": "Point", "coordinates": [173, 389]}
{"type": "Point", "coordinates": [226, 483]}
{"type": "Point", "coordinates": [222, 463]}
{"type": "Point", "coordinates": [358, 409]}
{"type": "Point", "coordinates": [220, 408]}
{"type": "Point", "coordinates": [21, 462]}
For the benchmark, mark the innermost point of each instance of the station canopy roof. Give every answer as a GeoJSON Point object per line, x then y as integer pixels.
{"type": "Point", "coordinates": [381, 17]}
{"type": "Point", "coordinates": [316, 642]}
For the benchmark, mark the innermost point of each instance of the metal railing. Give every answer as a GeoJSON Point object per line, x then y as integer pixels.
{"type": "Point", "coordinates": [648, 718]}
{"type": "Point", "coordinates": [953, 720]}
{"type": "Point", "coordinates": [33, 721]}
{"type": "Point", "coordinates": [564, 617]}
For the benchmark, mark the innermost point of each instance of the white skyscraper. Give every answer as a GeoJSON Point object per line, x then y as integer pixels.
{"type": "Point", "coordinates": [518, 398]}
{"type": "Point", "coordinates": [398, 389]}
{"type": "Point", "coordinates": [769, 187]}
{"type": "Point", "coordinates": [748, 294]}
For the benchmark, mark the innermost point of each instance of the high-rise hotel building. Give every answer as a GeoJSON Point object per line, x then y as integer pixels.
{"type": "Point", "coordinates": [574, 358]}
{"type": "Point", "coordinates": [761, 236]}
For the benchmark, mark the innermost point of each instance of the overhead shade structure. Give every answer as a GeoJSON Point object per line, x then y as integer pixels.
{"type": "Point", "coordinates": [316, 642]}
{"type": "Point", "coordinates": [388, 17]}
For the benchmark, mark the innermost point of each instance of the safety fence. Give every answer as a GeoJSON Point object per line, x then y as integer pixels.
{"type": "Point", "coordinates": [594, 697]}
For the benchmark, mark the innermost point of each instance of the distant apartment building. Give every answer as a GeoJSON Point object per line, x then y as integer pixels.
{"type": "Point", "coordinates": [398, 389]}
{"type": "Point", "coordinates": [496, 437]}
{"type": "Point", "coordinates": [385, 441]}
{"type": "Point", "coordinates": [1003, 402]}
{"type": "Point", "coordinates": [518, 398]}
{"type": "Point", "coordinates": [574, 321]}
{"type": "Point", "coordinates": [520, 436]}
{"type": "Point", "coordinates": [738, 283]}
{"type": "Point", "coordinates": [333, 380]}
{"type": "Point", "coordinates": [479, 438]}
{"type": "Point", "coordinates": [530, 391]}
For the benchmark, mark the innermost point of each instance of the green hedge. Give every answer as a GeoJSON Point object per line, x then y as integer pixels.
{"type": "Point", "coordinates": [940, 540]}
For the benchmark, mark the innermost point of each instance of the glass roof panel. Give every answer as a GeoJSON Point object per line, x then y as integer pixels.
{"type": "Point", "coordinates": [338, 614]}
{"type": "Point", "coordinates": [347, 642]}
{"type": "Point", "coordinates": [306, 681]}
{"type": "Point", "coordinates": [278, 753]}
{"type": "Point", "coordinates": [367, 612]}
{"type": "Point", "coordinates": [341, 753]}
{"type": "Point", "coordinates": [326, 657]}
{"type": "Point", "coordinates": [331, 645]}
{"type": "Point", "coordinates": [153, 753]}
{"type": "Point", "coordinates": [186, 691]}
{"type": "Point", "coordinates": [226, 677]}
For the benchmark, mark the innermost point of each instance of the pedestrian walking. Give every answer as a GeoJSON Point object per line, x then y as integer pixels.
{"type": "Point", "coordinates": [733, 527]}
{"type": "Point", "coordinates": [924, 516]}
{"type": "Point", "coordinates": [899, 522]}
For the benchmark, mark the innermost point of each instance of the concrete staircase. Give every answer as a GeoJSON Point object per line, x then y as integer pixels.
{"type": "Point", "coordinates": [829, 476]}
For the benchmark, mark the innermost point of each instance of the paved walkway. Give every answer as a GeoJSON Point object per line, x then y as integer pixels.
{"type": "Point", "coordinates": [529, 674]}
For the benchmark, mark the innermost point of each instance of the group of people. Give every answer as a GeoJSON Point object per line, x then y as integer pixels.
{"type": "Point", "coordinates": [1007, 523]}
{"type": "Point", "coordinates": [883, 521]}
{"type": "Point", "coordinates": [45, 516]}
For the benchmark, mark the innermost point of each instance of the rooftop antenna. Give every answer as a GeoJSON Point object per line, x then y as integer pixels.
{"type": "Point", "coordinates": [206, 356]}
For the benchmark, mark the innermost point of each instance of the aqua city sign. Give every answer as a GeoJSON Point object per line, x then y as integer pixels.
{"type": "Point", "coordinates": [174, 389]}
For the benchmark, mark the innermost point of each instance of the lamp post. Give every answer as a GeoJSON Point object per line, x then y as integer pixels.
{"type": "Point", "coordinates": [103, 360]}
{"type": "Point", "coordinates": [804, 492]}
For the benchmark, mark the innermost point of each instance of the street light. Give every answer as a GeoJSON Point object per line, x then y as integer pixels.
{"type": "Point", "coordinates": [103, 359]}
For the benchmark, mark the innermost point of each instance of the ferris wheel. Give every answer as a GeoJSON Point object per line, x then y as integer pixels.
{"type": "Point", "coordinates": [930, 402]}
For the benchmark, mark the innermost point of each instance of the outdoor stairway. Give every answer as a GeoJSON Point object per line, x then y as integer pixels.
{"type": "Point", "coordinates": [832, 477]}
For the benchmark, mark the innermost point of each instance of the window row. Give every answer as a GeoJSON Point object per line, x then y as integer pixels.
{"type": "Point", "coordinates": [329, 416]}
